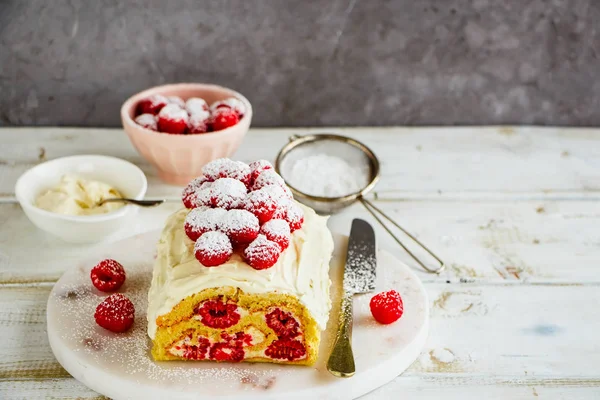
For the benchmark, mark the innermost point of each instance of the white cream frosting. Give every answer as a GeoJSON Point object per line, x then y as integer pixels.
{"type": "Point", "coordinates": [77, 196]}
{"type": "Point", "coordinates": [302, 270]}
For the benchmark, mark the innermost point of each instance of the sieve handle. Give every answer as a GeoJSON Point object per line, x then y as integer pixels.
{"type": "Point", "coordinates": [374, 211]}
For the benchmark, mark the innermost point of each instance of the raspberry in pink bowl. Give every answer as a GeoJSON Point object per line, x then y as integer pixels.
{"type": "Point", "coordinates": [181, 127]}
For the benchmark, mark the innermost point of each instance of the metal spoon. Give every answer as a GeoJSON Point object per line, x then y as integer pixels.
{"type": "Point", "coordinates": [142, 203]}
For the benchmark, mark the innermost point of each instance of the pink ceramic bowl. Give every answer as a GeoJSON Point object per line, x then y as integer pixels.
{"type": "Point", "coordinates": [180, 158]}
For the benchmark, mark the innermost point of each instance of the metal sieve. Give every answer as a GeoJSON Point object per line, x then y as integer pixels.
{"type": "Point", "coordinates": [360, 154]}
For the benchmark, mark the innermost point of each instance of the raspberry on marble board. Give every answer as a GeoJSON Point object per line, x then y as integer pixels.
{"type": "Point", "coordinates": [387, 307]}
{"type": "Point", "coordinates": [108, 275]}
{"type": "Point", "coordinates": [116, 313]}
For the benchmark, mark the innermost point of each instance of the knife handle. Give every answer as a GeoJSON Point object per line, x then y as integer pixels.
{"type": "Point", "coordinates": [341, 360]}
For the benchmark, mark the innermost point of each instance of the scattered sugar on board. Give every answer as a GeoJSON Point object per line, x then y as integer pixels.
{"type": "Point", "coordinates": [129, 353]}
{"type": "Point", "coordinates": [326, 175]}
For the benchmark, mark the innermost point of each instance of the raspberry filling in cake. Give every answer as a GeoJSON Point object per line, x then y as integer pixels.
{"type": "Point", "coordinates": [242, 272]}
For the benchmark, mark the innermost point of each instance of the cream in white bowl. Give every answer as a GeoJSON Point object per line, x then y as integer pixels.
{"type": "Point", "coordinates": [123, 176]}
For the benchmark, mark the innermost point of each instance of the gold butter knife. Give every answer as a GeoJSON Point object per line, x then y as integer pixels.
{"type": "Point", "coordinates": [360, 272]}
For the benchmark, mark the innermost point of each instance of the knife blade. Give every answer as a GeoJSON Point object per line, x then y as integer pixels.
{"type": "Point", "coordinates": [359, 277]}
{"type": "Point", "coordinates": [361, 262]}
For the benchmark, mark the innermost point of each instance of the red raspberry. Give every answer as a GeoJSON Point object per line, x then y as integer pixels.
{"type": "Point", "coordinates": [152, 105]}
{"type": "Point", "coordinates": [278, 231]}
{"type": "Point", "coordinates": [286, 349]}
{"type": "Point", "coordinates": [231, 103]}
{"type": "Point", "coordinates": [172, 119]}
{"type": "Point", "coordinates": [240, 339]}
{"type": "Point", "coordinates": [147, 121]}
{"type": "Point", "coordinates": [197, 124]}
{"type": "Point", "coordinates": [197, 352]}
{"type": "Point", "coordinates": [217, 314]}
{"type": "Point", "coordinates": [294, 216]}
{"type": "Point", "coordinates": [227, 193]}
{"type": "Point", "coordinates": [115, 313]}
{"type": "Point", "coordinates": [223, 118]}
{"type": "Point", "coordinates": [259, 166]}
{"type": "Point", "coordinates": [266, 178]}
{"type": "Point", "coordinates": [283, 323]}
{"type": "Point", "coordinates": [387, 307]}
{"type": "Point", "coordinates": [260, 203]}
{"type": "Point", "coordinates": [176, 100]}
{"type": "Point", "coordinates": [226, 168]}
{"type": "Point", "coordinates": [203, 197]}
{"type": "Point", "coordinates": [262, 253]}
{"type": "Point", "coordinates": [188, 196]}
{"type": "Point", "coordinates": [279, 193]}
{"type": "Point", "coordinates": [240, 225]}
{"type": "Point", "coordinates": [225, 352]}
{"type": "Point", "coordinates": [202, 220]}
{"type": "Point", "coordinates": [212, 249]}
{"type": "Point", "coordinates": [291, 212]}
{"type": "Point", "coordinates": [197, 106]}
{"type": "Point", "coordinates": [108, 275]}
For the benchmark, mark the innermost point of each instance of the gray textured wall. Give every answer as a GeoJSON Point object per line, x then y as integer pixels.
{"type": "Point", "coordinates": [323, 62]}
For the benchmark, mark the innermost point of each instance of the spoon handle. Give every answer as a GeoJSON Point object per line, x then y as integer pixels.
{"type": "Point", "coordinates": [142, 203]}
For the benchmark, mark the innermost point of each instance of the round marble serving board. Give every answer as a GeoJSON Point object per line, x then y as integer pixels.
{"type": "Point", "coordinates": [120, 365]}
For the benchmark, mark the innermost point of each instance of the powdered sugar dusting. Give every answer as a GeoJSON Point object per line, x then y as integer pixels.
{"type": "Point", "coordinates": [226, 168]}
{"type": "Point", "coordinates": [236, 220]}
{"type": "Point", "coordinates": [173, 112]}
{"type": "Point", "coordinates": [213, 243]}
{"type": "Point", "coordinates": [228, 192]}
{"type": "Point", "coordinates": [261, 248]}
{"type": "Point", "coordinates": [197, 124]}
{"type": "Point", "coordinates": [197, 106]}
{"type": "Point", "coordinates": [73, 303]}
{"type": "Point", "coordinates": [294, 212]}
{"type": "Point", "coordinates": [176, 100]}
{"type": "Point", "coordinates": [276, 230]}
{"type": "Point", "coordinates": [260, 165]}
{"type": "Point", "coordinates": [205, 219]}
{"type": "Point", "coordinates": [233, 103]}
{"type": "Point", "coordinates": [147, 121]}
{"type": "Point", "coordinates": [157, 99]}
{"type": "Point", "coordinates": [260, 198]}
{"type": "Point", "coordinates": [268, 177]}
{"type": "Point", "coordinates": [279, 193]}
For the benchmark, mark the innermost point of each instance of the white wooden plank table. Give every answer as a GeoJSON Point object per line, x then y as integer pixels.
{"type": "Point", "coordinates": [514, 212]}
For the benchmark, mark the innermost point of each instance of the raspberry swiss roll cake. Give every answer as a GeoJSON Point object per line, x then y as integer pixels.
{"type": "Point", "coordinates": [242, 272]}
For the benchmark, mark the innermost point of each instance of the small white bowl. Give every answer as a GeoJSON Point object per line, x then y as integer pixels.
{"type": "Point", "coordinates": [120, 174]}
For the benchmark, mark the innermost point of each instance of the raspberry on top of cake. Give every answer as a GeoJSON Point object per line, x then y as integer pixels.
{"type": "Point", "coordinates": [238, 269]}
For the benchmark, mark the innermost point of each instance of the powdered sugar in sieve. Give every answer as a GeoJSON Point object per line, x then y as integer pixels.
{"type": "Point", "coordinates": [326, 168]}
